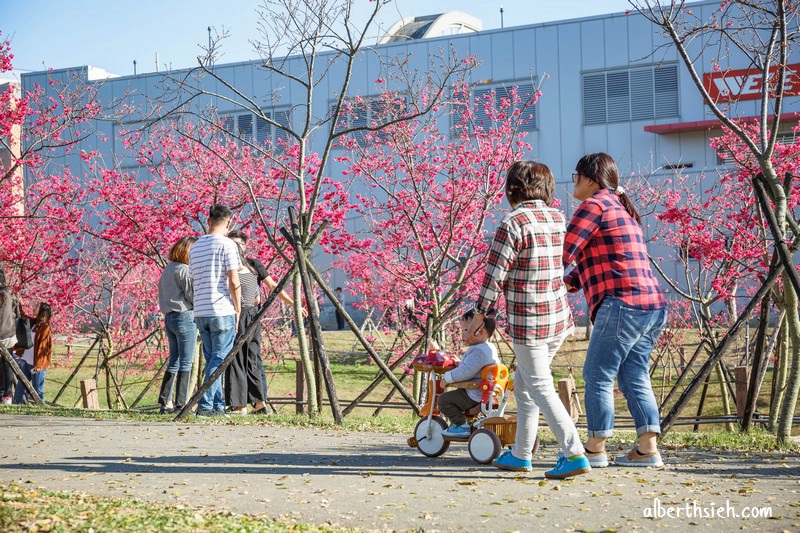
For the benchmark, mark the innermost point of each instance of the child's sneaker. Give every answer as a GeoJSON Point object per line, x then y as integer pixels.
{"type": "Point", "coordinates": [6, 400]}
{"type": "Point", "coordinates": [569, 467]}
{"type": "Point", "coordinates": [457, 432]}
{"type": "Point", "coordinates": [636, 459]}
{"type": "Point", "coordinates": [508, 462]}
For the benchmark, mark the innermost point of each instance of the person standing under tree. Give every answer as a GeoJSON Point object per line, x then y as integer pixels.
{"type": "Point", "coordinates": [9, 313]}
{"type": "Point", "coordinates": [42, 348]}
{"type": "Point", "coordinates": [262, 275]}
{"type": "Point", "coordinates": [339, 316]}
{"type": "Point", "coordinates": [214, 268]}
{"type": "Point", "coordinates": [244, 376]}
{"type": "Point", "coordinates": [176, 301]}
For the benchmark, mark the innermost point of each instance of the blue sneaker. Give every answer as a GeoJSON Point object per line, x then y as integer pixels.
{"type": "Point", "coordinates": [457, 432]}
{"type": "Point", "coordinates": [508, 462]}
{"type": "Point", "coordinates": [569, 467]}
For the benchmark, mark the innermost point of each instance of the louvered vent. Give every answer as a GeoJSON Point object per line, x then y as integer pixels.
{"type": "Point", "coordinates": [630, 94]}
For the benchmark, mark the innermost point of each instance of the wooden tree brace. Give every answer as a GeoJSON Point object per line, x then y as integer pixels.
{"type": "Point", "coordinates": [669, 420]}
{"type": "Point", "coordinates": [89, 395]}
{"type": "Point", "coordinates": [6, 355]}
{"type": "Point", "coordinates": [569, 397]}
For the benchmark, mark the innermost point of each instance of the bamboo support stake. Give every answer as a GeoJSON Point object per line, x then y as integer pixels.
{"type": "Point", "coordinates": [375, 357]}
{"type": "Point", "coordinates": [150, 383]}
{"type": "Point", "coordinates": [6, 355]}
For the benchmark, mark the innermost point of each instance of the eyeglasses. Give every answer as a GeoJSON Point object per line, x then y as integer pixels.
{"type": "Point", "coordinates": [575, 177]}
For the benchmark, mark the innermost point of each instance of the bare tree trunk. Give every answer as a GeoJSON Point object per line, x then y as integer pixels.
{"type": "Point", "coordinates": [194, 377]}
{"type": "Point", "coordinates": [589, 323]}
{"type": "Point", "coordinates": [723, 387]}
{"type": "Point", "coordinates": [731, 304]}
{"type": "Point", "coordinates": [302, 341]}
{"type": "Point", "coordinates": [779, 380]}
{"type": "Point", "coordinates": [793, 382]}
{"type": "Point", "coordinates": [318, 347]}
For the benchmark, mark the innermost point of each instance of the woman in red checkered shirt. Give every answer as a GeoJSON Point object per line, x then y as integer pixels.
{"type": "Point", "coordinates": [524, 265]}
{"type": "Point", "coordinates": [606, 244]}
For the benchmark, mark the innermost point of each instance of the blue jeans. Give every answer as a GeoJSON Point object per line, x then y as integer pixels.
{"type": "Point", "coordinates": [217, 334]}
{"type": "Point", "coordinates": [182, 338]}
{"type": "Point", "coordinates": [21, 393]}
{"type": "Point", "coordinates": [620, 347]}
{"type": "Point", "coordinates": [38, 383]}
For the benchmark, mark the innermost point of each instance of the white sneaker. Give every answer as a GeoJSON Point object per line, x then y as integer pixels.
{"type": "Point", "coordinates": [597, 460]}
{"type": "Point", "coordinates": [6, 400]}
{"type": "Point", "coordinates": [640, 460]}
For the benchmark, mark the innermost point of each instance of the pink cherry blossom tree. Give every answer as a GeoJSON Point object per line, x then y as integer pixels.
{"type": "Point", "coordinates": [306, 45]}
{"type": "Point", "coordinates": [428, 197]}
{"type": "Point", "coordinates": [760, 36]}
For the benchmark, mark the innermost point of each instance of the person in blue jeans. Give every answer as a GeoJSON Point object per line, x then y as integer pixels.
{"type": "Point", "coordinates": [214, 269]}
{"type": "Point", "coordinates": [35, 361]}
{"type": "Point", "coordinates": [605, 243]}
{"type": "Point", "coordinates": [175, 300]}
{"type": "Point", "coordinates": [25, 364]}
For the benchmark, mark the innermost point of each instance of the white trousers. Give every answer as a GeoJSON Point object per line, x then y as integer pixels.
{"type": "Point", "coordinates": [534, 391]}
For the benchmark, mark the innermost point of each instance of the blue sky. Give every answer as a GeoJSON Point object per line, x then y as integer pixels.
{"type": "Point", "coordinates": [110, 34]}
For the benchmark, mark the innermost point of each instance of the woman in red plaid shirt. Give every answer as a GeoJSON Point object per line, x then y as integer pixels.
{"type": "Point", "coordinates": [524, 264]}
{"type": "Point", "coordinates": [606, 244]}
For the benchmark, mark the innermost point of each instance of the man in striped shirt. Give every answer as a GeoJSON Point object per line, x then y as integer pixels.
{"type": "Point", "coordinates": [214, 268]}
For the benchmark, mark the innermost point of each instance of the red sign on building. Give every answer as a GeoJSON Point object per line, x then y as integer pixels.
{"type": "Point", "coordinates": [746, 84]}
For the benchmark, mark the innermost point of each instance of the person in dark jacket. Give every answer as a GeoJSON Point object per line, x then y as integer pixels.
{"type": "Point", "coordinates": [240, 238]}
{"type": "Point", "coordinates": [9, 313]}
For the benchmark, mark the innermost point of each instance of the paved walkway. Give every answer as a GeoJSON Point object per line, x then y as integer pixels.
{"type": "Point", "coordinates": [374, 481]}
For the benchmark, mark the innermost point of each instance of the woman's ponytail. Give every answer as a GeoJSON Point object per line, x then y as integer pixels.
{"type": "Point", "coordinates": [628, 205]}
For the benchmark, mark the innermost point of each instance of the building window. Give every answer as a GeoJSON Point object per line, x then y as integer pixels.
{"type": "Point", "coordinates": [254, 129]}
{"type": "Point", "coordinates": [367, 112]}
{"type": "Point", "coordinates": [630, 94]}
{"type": "Point", "coordinates": [495, 94]}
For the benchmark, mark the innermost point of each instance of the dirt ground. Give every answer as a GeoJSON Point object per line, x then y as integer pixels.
{"type": "Point", "coordinates": [375, 481]}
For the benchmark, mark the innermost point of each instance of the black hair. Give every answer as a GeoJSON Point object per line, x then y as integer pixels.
{"type": "Point", "coordinates": [602, 169]}
{"type": "Point", "coordinates": [488, 321]}
{"type": "Point", "coordinates": [529, 180]}
{"type": "Point", "coordinates": [238, 234]}
{"type": "Point", "coordinates": [44, 314]}
{"type": "Point", "coordinates": [337, 289]}
{"type": "Point", "coordinates": [217, 214]}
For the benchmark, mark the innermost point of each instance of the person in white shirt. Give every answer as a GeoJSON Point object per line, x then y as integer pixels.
{"type": "Point", "coordinates": [214, 266]}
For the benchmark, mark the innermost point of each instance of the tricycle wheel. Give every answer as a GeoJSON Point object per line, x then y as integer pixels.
{"type": "Point", "coordinates": [435, 445]}
{"type": "Point", "coordinates": [484, 446]}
